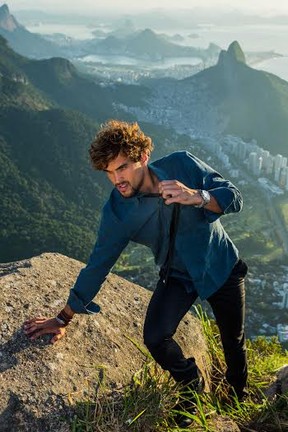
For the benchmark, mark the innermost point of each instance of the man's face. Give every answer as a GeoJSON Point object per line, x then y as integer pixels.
{"type": "Point", "coordinates": [127, 176]}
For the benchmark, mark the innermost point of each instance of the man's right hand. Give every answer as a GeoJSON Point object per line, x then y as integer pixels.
{"type": "Point", "coordinates": [39, 326]}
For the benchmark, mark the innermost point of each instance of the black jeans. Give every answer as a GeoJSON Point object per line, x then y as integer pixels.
{"type": "Point", "coordinates": [168, 305]}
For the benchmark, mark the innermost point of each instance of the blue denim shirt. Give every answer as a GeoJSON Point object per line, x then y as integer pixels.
{"type": "Point", "coordinates": [204, 253]}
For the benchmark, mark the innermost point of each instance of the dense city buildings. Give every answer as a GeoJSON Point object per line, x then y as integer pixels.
{"type": "Point", "coordinates": [259, 162]}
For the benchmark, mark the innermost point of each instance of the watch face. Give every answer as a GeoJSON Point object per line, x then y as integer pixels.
{"type": "Point", "coordinates": [206, 196]}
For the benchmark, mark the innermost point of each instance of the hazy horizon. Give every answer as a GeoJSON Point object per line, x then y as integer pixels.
{"type": "Point", "coordinates": [278, 6]}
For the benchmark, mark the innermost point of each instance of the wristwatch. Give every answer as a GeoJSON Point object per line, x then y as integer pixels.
{"type": "Point", "coordinates": [206, 197]}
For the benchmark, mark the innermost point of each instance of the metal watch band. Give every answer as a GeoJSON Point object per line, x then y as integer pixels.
{"type": "Point", "coordinates": [205, 198]}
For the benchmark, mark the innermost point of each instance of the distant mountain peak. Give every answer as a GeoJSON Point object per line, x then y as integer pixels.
{"type": "Point", "coordinates": [233, 55]}
{"type": "Point", "coordinates": [7, 21]}
{"type": "Point", "coordinates": [147, 35]}
{"type": "Point", "coordinates": [148, 31]}
{"type": "Point", "coordinates": [235, 51]}
{"type": "Point", "coordinates": [4, 10]}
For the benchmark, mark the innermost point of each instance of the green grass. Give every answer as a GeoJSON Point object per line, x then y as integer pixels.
{"type": "Point", "coordinates": [146, 403]}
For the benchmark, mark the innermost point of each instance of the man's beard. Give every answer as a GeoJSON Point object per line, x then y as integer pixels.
{"type": "Point", "coordinates": [134, 190]}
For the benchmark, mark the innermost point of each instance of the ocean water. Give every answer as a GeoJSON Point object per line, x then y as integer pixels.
{"type": "Point", "coordinates": [75, 31]}
{"type": "Point", "coordinates": [251, 38]}
{"type": "Point", "coordinates": [277, 66]}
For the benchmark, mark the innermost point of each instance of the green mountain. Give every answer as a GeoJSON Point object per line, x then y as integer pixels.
{"type": "Point", "coordinates": [50, 197]}
{"type": "Point", "coordinates": [23, 41]}
{"type": "Point", "coordinates": [254, 102]}
{"type": "Point", "coordinates": [47, 188]}
{"type": "Point", "coordinates": [58, 82]}
{"type": "Point", "coordinates": [147, 44]}
{"type": "Point", "coordinates": [228, 98]}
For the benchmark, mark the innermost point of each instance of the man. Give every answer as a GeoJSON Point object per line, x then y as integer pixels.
{"type": "Point", "coordinates": [202, 260]}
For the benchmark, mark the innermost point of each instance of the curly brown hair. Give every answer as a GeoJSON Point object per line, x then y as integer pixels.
{"type": "Point", "coordinates": [115, 137]}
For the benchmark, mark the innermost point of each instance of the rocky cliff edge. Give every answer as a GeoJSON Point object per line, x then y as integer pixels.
{"type": "Point", "coordinates": [38, 380]}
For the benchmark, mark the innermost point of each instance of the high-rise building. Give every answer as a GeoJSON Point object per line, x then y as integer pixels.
{"type": "Point", "coordinates": [283, 177]}
{"type": "Point", "coordinates": [282, 331]}
{"type": "Point", "coordinates": [242, 150]}
{"type": "Point", "coordinates": [279, 161]}
{"type": "Point", "coordinates": [269, 165]}
{"type": "Point", "coordinates": [265, 154]}
{"type": "Point", "coordinates": [255, 163]}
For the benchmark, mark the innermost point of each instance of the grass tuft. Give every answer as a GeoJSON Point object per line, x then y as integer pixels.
{"type": "Point", "coordinates": [146, 403]}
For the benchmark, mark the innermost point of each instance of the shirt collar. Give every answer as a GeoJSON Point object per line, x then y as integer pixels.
{"type": "Point", "coordinates": [160, 173]}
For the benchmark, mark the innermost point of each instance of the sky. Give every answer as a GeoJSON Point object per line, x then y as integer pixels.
{"type": "Point", "coordinates": [259, 6]}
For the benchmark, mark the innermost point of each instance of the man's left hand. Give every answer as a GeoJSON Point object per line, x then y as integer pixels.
{"type": "Point", "coordinates": [174, 191]}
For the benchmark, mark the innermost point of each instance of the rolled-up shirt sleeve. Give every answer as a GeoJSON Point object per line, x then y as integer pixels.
{"type": "Point", "coordinates": [205, 177]}
{"type": "Point", "coordinates": [228, 197]}
{"type": "Point", "coordinates": [111, 241]}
